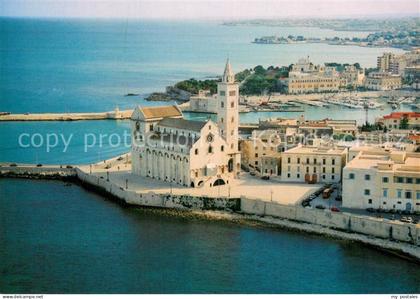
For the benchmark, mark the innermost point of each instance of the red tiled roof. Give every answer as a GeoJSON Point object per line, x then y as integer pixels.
{"type": "Point", "coordinates": [414, 137]}
{"type": "Point", "coordinates": [398, 115]}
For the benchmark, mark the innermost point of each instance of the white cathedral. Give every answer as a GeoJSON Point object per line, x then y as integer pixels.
{"type": "Point", "coordinates": [167, 147]}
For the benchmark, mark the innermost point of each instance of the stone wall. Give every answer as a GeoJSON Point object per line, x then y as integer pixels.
{"type": "Point", "coordinates": [350, 223]}
{"type": "Point", "coordinates": [164, 200]}
{"type": "Point", "coordinates": [376, 227]}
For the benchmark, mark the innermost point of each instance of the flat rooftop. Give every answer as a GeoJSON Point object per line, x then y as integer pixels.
{"type": "Point", "coordinates": [315, 150]}
{"type": "Point", "coordinates": [367, 160]}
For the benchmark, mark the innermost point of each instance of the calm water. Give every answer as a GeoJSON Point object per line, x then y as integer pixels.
{"type": "Point", "coordinates": [85, 65]}
{"type": "Point", "coordinates": [58, 239]}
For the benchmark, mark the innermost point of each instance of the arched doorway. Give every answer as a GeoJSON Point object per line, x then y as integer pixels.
{"type": "Point", "coordinates": [230, 165]}
{"type": "Point", "coordinates": [218, 182]}
{"type": "Point", "coordinates": [408, 207]}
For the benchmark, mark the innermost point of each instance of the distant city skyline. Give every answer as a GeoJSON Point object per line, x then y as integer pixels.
{"type": "Point", "coordinates": [205, 9]}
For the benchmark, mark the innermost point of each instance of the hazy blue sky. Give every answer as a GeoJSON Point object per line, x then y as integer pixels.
{"type": "Point", "coordinates": [221, 9]}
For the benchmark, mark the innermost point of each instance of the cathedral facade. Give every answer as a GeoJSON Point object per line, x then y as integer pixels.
{"type": "Point", "coordinates": [167, 147]}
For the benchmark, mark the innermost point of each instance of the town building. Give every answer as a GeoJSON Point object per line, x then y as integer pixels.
{"type": "Point", "coordinates": [271, 165]}
{"type": "Point", "coordinates": [312, 164]}
{"type": "Point", "coordinates": [262, 143]}
{"type": "Point", "coordinates": [383, 81]}
{"type": "Point", "coordinates": [305, 77]}
{"type": "Point", "coordinates": [382, 179]}
{"type": "Point", "coordinates": [311, 83]}
{"type": "Point", "coordinates": [398, 63]}
{"type": "Point", "coordinates": [352, 76]}
{"type": "Point", "coordinates": [203, 102]}
{"type": "Point", "coordinates": [167, 147]}
{"type": "Point", "coordinates": [401, 120]}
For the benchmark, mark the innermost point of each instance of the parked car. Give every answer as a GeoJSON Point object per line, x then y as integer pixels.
{"type": "Point", "coordinates": [39, 165]}
{"type": "Point", "coordinates": [370, 210]}
{"type": "Point", "coordinates": [326, 193]}
{"type": "Point", "coordinates": [335, 209]}
{"type": "Point", "coordinates": [305, 203]}
{"type": "Point", "coordinates": [69, 166]}
{"type": "Point", "coordinates": [404, 219]}
{"type": "Point", "coordinates": [252, 173]}
{"type": "Point", "coordinates": [13, 164]}
{"type": "Point", "coordinates": [265, 177]}
{"type": "Point", "coordinates": [321, 207]}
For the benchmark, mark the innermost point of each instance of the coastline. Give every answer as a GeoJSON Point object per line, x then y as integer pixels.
{"type": "Point", "coordinates": [227, 210]}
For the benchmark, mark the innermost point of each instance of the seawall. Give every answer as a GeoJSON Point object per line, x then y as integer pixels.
{"type": "Point", "coordinates": [402, 238]}
{"type": "Point", "coordinates": [124, 114]}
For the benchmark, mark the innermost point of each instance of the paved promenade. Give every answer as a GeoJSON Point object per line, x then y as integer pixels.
{"type": "Point", "coordinates": [245, 186]}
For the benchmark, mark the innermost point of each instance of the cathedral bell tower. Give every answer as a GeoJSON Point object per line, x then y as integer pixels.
{"type": "Point", "coordinates": [228, 108]}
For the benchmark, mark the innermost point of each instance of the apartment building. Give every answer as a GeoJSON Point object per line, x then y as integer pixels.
{"type": "Point", "coordinates": [313, 164]}
{"type": "Point", "coordinates": [398, 63]}
{"type": "Point", "coordinates": [393, 121]}
{"type": "Point", "coordinates": [262, 143]}
{"type": "Point", "coordinates": [383, 81]}
{"type": "Point", "coordinates": [384, 179]}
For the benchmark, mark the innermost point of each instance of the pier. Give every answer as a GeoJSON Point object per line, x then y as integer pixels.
{"type": "Point", "coordinates": [116, 114]}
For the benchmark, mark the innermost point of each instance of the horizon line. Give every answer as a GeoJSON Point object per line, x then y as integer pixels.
{"type": "Point", "coordinates": [261, 18]}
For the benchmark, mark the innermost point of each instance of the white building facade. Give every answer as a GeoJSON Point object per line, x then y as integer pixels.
{"type": "Point", "coordinates": [380, 179]}
{"type": "Point", "coordinates": [167, 147]}
{"type": "Point", "coordinates": [313, 164]}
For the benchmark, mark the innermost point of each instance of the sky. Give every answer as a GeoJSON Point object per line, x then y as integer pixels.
{"type": "Point", "coordinates": [209, 9]}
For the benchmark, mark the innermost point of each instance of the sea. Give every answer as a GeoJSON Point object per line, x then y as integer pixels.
{"type": "Point", "coordinates": [56, 238]}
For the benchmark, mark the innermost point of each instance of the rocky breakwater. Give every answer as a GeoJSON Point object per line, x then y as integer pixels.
{"type": "Point", "coordinates": [39, 171]}
{"type": "Point", "coordinates": [171, 94]}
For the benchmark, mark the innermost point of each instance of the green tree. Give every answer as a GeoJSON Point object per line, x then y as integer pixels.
{"type": "Point", "coordinates": [259, 70]}
{"type": "Point", "coordinates": [404, 123]}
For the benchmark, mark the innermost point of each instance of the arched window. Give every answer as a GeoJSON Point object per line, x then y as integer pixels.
{"type": "Point", "coordinates": [210, 149]}
{"type": "Point", "coordinates": [230, 165]}
{"type": "Point", "coordinates": [222, 148]}
{"type": "Point", "coordinates": [196, 151]}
